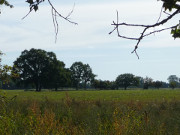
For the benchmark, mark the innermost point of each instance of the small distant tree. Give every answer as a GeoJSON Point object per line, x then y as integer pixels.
{"type": "Point", "coordinates": [100, 84]}
{"type": "Point", "coordinates": [96, 83]}
{"type": "Point", "coordinates": [113, 85]}
{"type": "Point", "coordinates": [173, 85]}
{"type": "Point", "coordinates": [81, 73]}
{"type": "Point", "coordinates": [157, 84]}
{"type": "Point", "coordinates": [76, 73]}
{"type": "Point", "coordinates": [173, 78]}
{"type": "Point", "coordinates": [165, 85]}
{"type": "Point", "coordinates": [147, 82]}
{"type": "Point", "coordinates": [126, 80]}
{"type": "Point", "coordinates": [88, 75]}
{"type": "Point", "coordinates": [141, 81]}
{"type": "Point", "coordinates": [173, 81]}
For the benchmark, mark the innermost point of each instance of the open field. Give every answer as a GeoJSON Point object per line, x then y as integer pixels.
{"type": "Point", "coordinates": [131, 112]}
{"type": "Point", "coordinates": [109, 95]}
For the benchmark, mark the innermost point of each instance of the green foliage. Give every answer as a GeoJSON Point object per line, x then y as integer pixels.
{"type": "Point", "coordinates": [176, 32]}
{"type": "Point", "coordinates": [76, 73]}
{"type": "Point", "coordinates": [147, 82]}
{"type": "Point", "coordinates": [126, 80]}
{"type": "Point", "coordinates": [81, 73]}
{"type": "Point", "coordinates": [5, 72]}
{"type": "Point", "coordinates": [35, 66]}
{"type": "Point", "coordinates": [33, 4]}
{"type": "Point", "coordinates": [173, 84]}
{"type": "Point", "coordinates": [157, 84]}
{"type": "Point", "coordinates": [106, 85]}
{"type": "Point", "coordinates": [170, 4]}
{"type": "Point", "coordinates": [173, 81]}
{"type": "Point", "coordinates": [6, 3]}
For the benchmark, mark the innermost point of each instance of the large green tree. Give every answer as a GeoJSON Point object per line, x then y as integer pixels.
{"type": "Point", "coordinates": [126, 80]}
{"type": "Point", "coordinates": [35, 66]}
{"type": "Point", "coordinates": [81, 73]}
{"type": "Point", "coordinates": [148, 81]}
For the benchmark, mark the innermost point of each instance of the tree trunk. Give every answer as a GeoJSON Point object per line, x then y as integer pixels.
{"type": "Point", "coordinates": [76, 87]}
{"type": "Point", "coordinates": [40, 87]}
{"type": "Point", "coordinates": [56, 87]}
{"type": "Point", "coordinates": [85, 84]}
{"type": "Point", "coordinates": [36, 86]}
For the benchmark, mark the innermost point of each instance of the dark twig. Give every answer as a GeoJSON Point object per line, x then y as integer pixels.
{"type": "Point", "coordinates": [55, 14]}
{"type": "Point", "coordinates": [27, 13]}
{"type": "Point", "coordinates": [160, 14]}
{"type": "Point", "coordinates": [33, 6]}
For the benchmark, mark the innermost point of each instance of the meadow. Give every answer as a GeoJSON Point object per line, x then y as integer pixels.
{"type": "Point", "coordinates": [105, 112]}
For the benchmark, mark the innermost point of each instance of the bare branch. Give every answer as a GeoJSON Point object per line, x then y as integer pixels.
{"type": "Point", "coordinates": [34, 6]}
{"type": "Point", "coordinates": [28, 13]}
{"type": "Point", "coordinates": [161, 30]}
{"type": "Point", "coordinates": [65, 18]}
{"type": "Point", "coordinates": [146, 27]}
{"type": "Point", "coordinates": [55, 14]}
{"type": "Point", "coordinates": [71, 11]}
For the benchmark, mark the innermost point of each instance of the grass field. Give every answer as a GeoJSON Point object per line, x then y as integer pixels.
{"type": "Point", "coordinates": [109, 95]}
{"type": "Point", "coordinates": [106, 112]}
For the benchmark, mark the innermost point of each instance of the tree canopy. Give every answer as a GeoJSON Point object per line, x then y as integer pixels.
{"type": "Point", "coordinates": [126, 80]}
{"type": "Point", "coordinates": [35, 66]}
{"type": "Point", "coordinates": [173, 81]}
{"type": "Point", "coordinates": [81, 73]}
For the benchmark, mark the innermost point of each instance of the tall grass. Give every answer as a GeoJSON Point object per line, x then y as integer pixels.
{"type": "Point", "coordinates": [98, 116]}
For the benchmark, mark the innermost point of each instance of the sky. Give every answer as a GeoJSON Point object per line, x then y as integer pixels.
{"type": "Point", "coordinates": [89, 41]}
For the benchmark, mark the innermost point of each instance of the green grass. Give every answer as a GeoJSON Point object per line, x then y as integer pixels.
{"type": "Point", "coordinates": [116, 112]}
{"type": "Point", "coordinates": [109, 95]}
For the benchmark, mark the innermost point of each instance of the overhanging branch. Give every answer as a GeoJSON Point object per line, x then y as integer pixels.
{"type": "Point", "coordinates": [146, 27]}
{"type": "Point", "coordinates": [34, 6]}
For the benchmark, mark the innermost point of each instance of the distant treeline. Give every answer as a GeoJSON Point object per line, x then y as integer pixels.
{"type": "Point", "coordinates": [38, 69]}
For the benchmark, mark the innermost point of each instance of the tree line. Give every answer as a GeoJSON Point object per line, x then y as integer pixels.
{"type": "Point", "coordinates": [39, 69]}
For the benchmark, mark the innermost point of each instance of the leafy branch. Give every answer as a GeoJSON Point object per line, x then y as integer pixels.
{"type": "Point", "coordinates": [175, 29]}
{"type": "Point", "coordinates": [6, 3]}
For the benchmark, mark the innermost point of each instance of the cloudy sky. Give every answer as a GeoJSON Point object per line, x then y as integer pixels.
{"type": "Point", "coordinates": [89, 41]}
